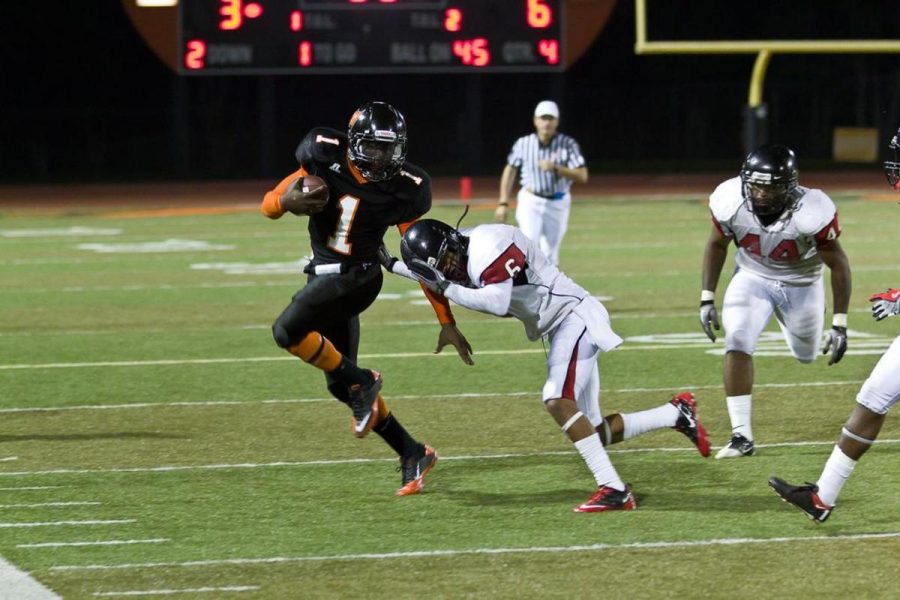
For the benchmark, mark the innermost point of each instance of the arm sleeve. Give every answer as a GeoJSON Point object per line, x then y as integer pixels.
{"type": "Point", "coordinates": [421, 200]}
{"type": "Point", "coordinates": [506, 267]}
{"type": "Point", "coordinates": [576, 159]}
{"type": "Point", "coordinates": [723, 228]}
{"type": "Point", "coordinates": [515, 155]}
{"type": "Point", "coordinates": [271, 204]}
{"type": "Point", "coordinates": [438, 303]}
{"type": "Point", "coordinates": [832, 231]}
{"type": "Point", "coordinates": [493, 299]}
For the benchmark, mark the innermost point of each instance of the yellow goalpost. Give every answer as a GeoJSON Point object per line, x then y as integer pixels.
{"type": "Point", "coordinates": [762, 48]}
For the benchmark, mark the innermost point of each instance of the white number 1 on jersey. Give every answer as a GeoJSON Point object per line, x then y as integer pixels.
{"type": "Point", "coordinates": [339, 239]}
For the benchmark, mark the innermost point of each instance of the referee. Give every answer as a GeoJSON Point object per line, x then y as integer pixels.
{"type": "Point", "coordinates": [549, 162]}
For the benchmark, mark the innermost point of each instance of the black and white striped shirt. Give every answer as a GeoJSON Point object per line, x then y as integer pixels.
{"type": "Point", "coordinates": [563, 150]}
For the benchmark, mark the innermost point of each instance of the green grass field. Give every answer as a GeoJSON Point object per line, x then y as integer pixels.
{"type": "Point", "coordinates": [144, 405]}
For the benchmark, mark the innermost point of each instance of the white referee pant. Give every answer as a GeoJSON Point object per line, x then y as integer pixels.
{"type": "Point", "coordinates": [544, 221]}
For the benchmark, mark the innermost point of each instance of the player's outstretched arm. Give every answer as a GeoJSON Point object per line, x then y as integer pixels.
{"type": "Point", "coordinates": [393, 264]}
{"type": "Point", "coordinates": [713, 261]}
{"type": "Point", "coordinates": [836, 260]}
{"type": "Point", "coordinates": [493, 299]}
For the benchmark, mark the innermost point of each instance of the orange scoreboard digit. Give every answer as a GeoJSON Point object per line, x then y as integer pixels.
{"type": "Point", "coordinates": [256, 37]}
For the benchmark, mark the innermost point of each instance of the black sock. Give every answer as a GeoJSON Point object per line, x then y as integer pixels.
{"type": "Point", "coordinates": [392, 432]}
{"type": "Point", "coordinates": [349, 374]}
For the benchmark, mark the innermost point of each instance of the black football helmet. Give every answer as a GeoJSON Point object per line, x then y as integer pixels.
{"type": "Point", "coordinates": [769, 180]}
{"type": "Point", "coordinates": [377, 140]}
{"type": "Point", "coordinates": [440, 246]}
{"type": "Point", "coordinates": [892, 167]}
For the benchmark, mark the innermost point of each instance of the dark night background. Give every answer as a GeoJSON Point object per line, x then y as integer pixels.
{"type": "Point", "coordinates": [83, 99]}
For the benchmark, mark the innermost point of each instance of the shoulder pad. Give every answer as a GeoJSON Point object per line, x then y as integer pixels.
{"type": "Point", "coordinates": [322, 145]}
{"type": "Point", "coordinates": [412, 185]}
{"type": "Point", "coordinates": [414, 174]}
{"type": "Point", "coordinates": [726, 199]}
{"type": "Point", "coordinates": [488, 240]}
{"type": "Point", "coordinates": [814, 211]}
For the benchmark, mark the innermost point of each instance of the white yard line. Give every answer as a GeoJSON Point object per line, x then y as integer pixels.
{"type": "Point", "coordinates": [248, 359]}
{"type": "Point", "coordinates": [167, 592]}
{"type": "Point", "coordinates": [32, 487]}
{"type": "Point", "coordinates": [470, 395]}
{"type": "Point", "coordinates": [68, 523]}
{"type": "Point", "coordinates": [9, 458]}
{"type": "Point", "coordinates": [50, 504]}
{"type": "Point", "coordinates": [352, 461]}
{"type": "Point", "coordinates": [369, 324]}
{"type": "Point", "coordinates": [19, 585]}
{"type": "Point", "coordinates": [486, 551]}
{"type": "Point", "coordinates": [879, 346]}
{"type": "Point", "coordinates": [100, 543]}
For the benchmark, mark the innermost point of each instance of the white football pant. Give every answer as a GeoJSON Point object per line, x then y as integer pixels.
{"type": "Point", "coordinates": [751, 300]}
{"type": "Point", "coordinates": [572, 370]}
{"type": "Point", "coordinates": [882, 389]}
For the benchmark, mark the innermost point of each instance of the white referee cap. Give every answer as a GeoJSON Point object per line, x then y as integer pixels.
{"type": "Point", "coordinates": [546, 108]}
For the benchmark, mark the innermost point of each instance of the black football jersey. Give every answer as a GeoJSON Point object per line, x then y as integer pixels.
{"type": "Point", "coordinates": [353, 223]}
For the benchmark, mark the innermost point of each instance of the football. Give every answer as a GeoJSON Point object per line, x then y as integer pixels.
{"type": "Point", "coordinates": [311, 183]}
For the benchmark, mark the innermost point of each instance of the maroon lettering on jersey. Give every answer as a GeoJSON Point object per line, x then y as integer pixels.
{"type": "Point", "coordinates": [785, 251]}
{"type": "Point", "coordinates": [505, 266]}
{"type": "Point", "coordinates": [832, 231]}
{"type": "Point", "coordinates": [750, 243]}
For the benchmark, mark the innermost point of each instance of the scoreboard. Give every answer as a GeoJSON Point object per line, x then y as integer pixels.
{"type": "Point", "coordinates": [258, 37]}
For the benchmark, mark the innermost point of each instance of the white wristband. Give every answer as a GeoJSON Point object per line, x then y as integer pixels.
{"type": "Point", "coordinates": [706, 296]}
{"type": "Point", "coordinates": [839, 320]}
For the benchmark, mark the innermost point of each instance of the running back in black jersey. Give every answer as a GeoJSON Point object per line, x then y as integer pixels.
{"type": "Point", "coordinates": [358, 213]}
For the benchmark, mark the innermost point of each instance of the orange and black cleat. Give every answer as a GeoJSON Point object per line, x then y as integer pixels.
{"type": "Point", "coordinates": [364, 403]}
{"type": "Point", "coordinates": [414, 470]}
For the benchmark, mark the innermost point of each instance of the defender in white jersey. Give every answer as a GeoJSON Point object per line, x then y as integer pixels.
{"type": "Point", "coordinates": [497, 270]}
{"type": "Point", "coordinates": [547, 162]}
{"type": "Point", "coordinates": [784, 233]}
{"type": "Point", "coordinates": [878, 394]}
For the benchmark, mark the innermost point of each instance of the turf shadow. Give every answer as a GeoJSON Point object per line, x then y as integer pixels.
{"type": "Point", "coordinates": [511, 498]}
{"type": "Point", "coordinates": [680, 499]}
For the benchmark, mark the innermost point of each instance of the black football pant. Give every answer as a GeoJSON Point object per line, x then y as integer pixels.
{"type": "Point", "coordinates": [331, 304]}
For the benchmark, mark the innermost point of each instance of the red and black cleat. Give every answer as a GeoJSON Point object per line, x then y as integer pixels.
{"type": "Point", "coordinates": [689, 423]}
{"type": "Point", "coordinates": [608, 498]}
{"type": "Point", "coordinates": [804, 497]}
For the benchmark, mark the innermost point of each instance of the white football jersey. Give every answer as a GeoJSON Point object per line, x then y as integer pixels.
{"type": "Point", "coordinates": [784, 250]}
{"type": "Point", "coordinates": [542, 296]}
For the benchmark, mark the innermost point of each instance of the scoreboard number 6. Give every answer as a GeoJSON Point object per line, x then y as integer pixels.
{"type": "Point", "coordinates": [538, 14]}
